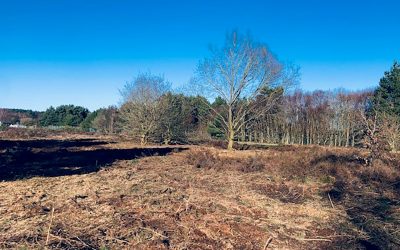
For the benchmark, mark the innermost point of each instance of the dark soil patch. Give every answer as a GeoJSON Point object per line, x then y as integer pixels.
{"type": "Point", "coordinates": [24, 159]}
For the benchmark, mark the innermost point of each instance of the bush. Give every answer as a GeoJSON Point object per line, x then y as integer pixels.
{"type": "Point", "coordinates": [3, 127]}
{"type": "Point", "coordinates": [207, 159]}
{"type": "Point", "coordinates": [203, 159]}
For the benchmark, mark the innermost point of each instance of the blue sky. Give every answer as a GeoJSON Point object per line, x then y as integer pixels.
{"type": "Point", "coordinates": [82, 51]}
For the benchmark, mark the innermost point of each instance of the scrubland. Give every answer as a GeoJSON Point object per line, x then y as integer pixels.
{"type": "Point", "coordinates": [76, 191]}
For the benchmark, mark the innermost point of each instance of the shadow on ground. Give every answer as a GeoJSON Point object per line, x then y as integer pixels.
{"type": "Point", "coordinates": [40, 143]}
{"type": "Point", "coordinates": [370, 196]}
{"type": "Point", "coordinates": [50, 158]}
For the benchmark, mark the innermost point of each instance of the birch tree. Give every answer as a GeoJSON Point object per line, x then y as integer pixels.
{"type": "Point", "coordinates": [237, 73]}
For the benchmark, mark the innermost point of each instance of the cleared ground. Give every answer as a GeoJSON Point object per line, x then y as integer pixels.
{"type": "Point", "coordinates": [82, 192]}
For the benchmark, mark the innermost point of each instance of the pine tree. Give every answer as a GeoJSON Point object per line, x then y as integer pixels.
{"type": "Point", "coordinates": [387, 95]}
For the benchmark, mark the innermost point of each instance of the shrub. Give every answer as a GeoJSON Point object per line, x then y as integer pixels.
{"type": "Point", "coordinates": [203, 159]}
{"type": "Point", "coordinates": [207, 159]}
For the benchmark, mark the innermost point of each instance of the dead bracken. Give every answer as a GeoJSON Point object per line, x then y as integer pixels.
{"type": "Point", "coordinates": [120, 195]}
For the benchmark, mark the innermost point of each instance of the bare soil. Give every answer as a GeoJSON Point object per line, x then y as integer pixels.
{"type": "Point", "coordinates": [88, 192]}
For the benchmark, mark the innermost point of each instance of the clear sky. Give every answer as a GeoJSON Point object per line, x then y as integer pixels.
{"type": "Point", "coordinates": [81, 52]}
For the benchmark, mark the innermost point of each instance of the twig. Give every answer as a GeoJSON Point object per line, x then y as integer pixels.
{"type": "Point", "coordinates": [316, 239]}
{"type": "Point", "coordinates": [68, 241]}
{"type": "Point", "coordinates": [84, 243]}
{"type": "Point", "coordinates": [61, 239]}
{"type": "Point", "coordinates": [155, 232]}
{"type": "Point", "coordinates": [187, 203]}
{"type": "Point", "coordinates": [330, 200]}
{"type": "Point", "coordinates": [267, 243]}
{"type": "Point", "coordinates": [51, 222]}
{"type": "Point", "coordinates": [119, 240]}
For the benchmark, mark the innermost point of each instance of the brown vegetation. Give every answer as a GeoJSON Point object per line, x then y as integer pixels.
{"type": "Point", "coordinates": [305, 197]}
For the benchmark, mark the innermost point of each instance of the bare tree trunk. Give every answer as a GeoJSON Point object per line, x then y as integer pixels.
{"type": "Point", "coordinates": [335, 136]}
{"type": "Point", "coordinates": [112, 123]}
{"type": "Point", "coordinates": [143, 140]}
{"type": "Point", "coordinates": [231, 131]}
{"type": "Point", "coordinates": [231, 135]}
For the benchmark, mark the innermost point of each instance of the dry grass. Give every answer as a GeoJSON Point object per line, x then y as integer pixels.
{"type": "Point", "coordinates": [208, 198]}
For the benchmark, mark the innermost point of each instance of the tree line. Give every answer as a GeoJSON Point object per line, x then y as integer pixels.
{"type": "Point", "coordinates": [17, 116]}
{"type": "Point", "coordinates": [242, 92]}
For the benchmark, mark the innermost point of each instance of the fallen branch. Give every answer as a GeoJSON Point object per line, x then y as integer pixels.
{"type": "Point", "coordinates": [267, 243]}
{"type": "Point", "coordinates": [316, 239]}
{"type": "Point", "coordinates": [330, 200]}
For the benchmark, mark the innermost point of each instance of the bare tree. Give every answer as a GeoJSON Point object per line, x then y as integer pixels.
{"type": "Point", "coordinates": [390, 129]}
{"type": "Point", "coordinates": [105, 120]}
{"type": "Point", "coordinates": [141, 108]}
{"type": "Point", "coordinates": [3, 114]}
{"type": "Point", "coordinates": [7, 116]}
{"type": "Point", "coordinates": [237, 73]}
{"type": "Point", "coordinates": [372, 140]}
{"type": "Point", "coordinates": [318, 117]}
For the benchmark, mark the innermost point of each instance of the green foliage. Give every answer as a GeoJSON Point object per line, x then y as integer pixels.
{"type": "Point", "coordinates": [87, 124]}
{"type": "Point", "coordinates": [387, 96]}
{"type": "Point", "coordinates": [218, 102]}
{"type": "Point", "coordinates": [3, 127]}
{"type": "Point", "coordinates": [215, 129]}
{"type": "Point", "coordinates": [198, 114]}
{"type": "Point", "coordinates": [64, 115]}
{"type": "Point", "coordinates": [49, 117]}
{"type": "Point", "coordinates": [180, 116]}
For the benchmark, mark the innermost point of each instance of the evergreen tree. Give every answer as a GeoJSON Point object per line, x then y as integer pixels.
{"type": "Point", "coordinates": [198, 113]}
{"type": "Point", "coordinates": [64, 115]}
{"type": "Point", "coordinates": [87, 124]}
{"type": "Point", "coordinates": [49, 118]}
{"type": "Point", "coordinates": [171, 125]}
{"type": "Point", "coordinates": [387, 95]}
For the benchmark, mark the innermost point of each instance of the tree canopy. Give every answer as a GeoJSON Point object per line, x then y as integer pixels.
{"type": "Point", "coordinates": [64, 115]}
{"type": "Point", "coordinates": [387, 95]}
